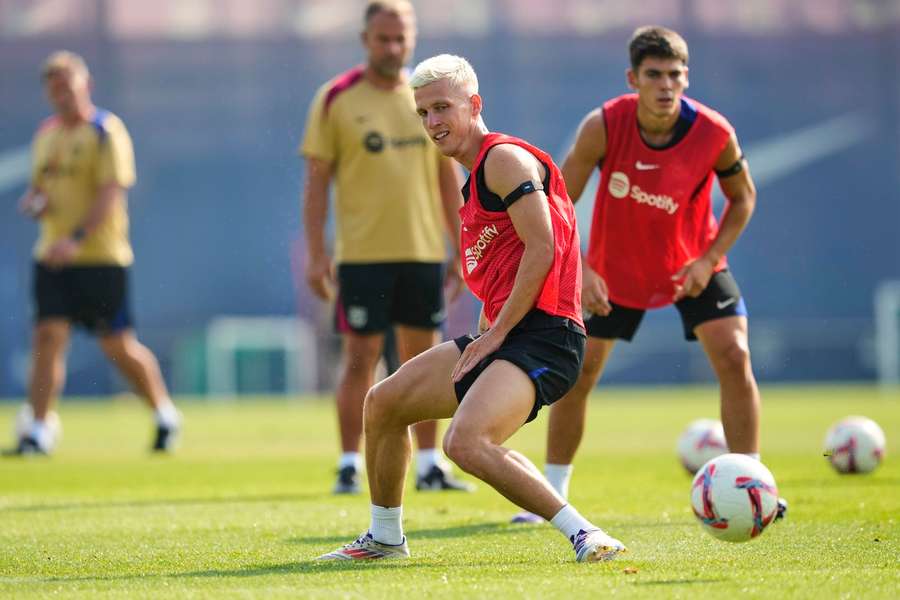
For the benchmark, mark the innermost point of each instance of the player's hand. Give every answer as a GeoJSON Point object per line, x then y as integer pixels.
{"type": "Point", "coordinates": [594, 293]}
{"type": "Point", "coordinates": [33, 204]}
{"type": "Point", "coordinates": [320, 277]}
{"type": "Point", "coordinates": [476, 352]}
{"type": "Point", "coordinates": [453, 280]}
{"type": "Point", "coordinates": [692, 278]}
{"type": "Point", "coordinates": [61, 253]}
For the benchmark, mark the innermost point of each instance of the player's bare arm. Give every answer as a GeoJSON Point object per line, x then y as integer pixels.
{"type": "Point", "coordinates": [587, 151]}
{"type": "Point", "coordinates": [584, 156]}
{"type": "Point", "coordinates": [62, 252]}
{"type": "Point", "coordinates": [319, 270]}
{"type": "Point", "coordinates": [505, 169]}
{"type": "Point", "coordinates": [451, 201]}
{"type": "Point", "coordinates": [740, 195]}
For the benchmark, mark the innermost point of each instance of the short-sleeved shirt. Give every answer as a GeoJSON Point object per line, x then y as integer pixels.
{"type": "Point", "coordinates": [70, 164]}
{"type": "Point", "coordinates": [387, 195]}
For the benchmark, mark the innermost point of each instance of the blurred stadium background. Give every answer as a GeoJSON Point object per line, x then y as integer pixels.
{"type": "Point", "coordinates": [215, 94]}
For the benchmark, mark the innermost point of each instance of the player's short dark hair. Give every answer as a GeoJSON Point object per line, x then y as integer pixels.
{"type": "Point", "coordinates": [394, 7]}
{"type": "Point", "coordinates": [656, 41]}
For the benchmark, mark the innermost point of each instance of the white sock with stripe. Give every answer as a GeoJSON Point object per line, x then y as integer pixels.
{"type": "Point", "coordinates": [569, 521]}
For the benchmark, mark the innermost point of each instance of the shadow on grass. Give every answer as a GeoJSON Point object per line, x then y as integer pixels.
{"type": "Point", "coordinates": [200, 501]}
{"type": "Point", "coordinates": [307, 567]}
{"type": "Point", "coordinates": [679, 581]}
{"type": "Point", "coordinates": [424, 534]}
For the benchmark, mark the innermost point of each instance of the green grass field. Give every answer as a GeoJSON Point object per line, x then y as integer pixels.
{"type": "Point", "coordinates": [244, 506]}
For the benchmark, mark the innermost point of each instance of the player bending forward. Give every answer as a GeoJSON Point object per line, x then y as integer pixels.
{"type": "Point", "coordinates": [521, 258]}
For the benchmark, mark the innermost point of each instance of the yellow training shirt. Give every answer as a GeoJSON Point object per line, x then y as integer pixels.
{"type": "Point", "coordinates": [385, 168]}
{"type": "Point", "coordinates": [69, 166]}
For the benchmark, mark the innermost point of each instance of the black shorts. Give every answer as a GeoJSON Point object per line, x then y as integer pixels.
{"type": "Point", "coordinates": [549, 349]}
{"type": "Point", "coordinates": [721, 298]}
{"type": "Point", "coordinates": [95, 298]}
{"type": "Point", "coordinates": [373, 296]}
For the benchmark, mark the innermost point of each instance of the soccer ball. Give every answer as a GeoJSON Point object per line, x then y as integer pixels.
{"type": "Point", "coordinates": [734, 497]}
{"type": "Point", "coordinates": [703, 440]}
{"type": "Point", "coordinates": [854, 445]}
{"type": "Point", "coordinates": [25, 417]}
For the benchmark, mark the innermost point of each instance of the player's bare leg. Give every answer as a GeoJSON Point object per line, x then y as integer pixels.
{"type": "Point", "coordinates": [412, 341]}
{"type": "Point", "coordinates": [48, 370]}
{"type": "Point", "coordinates": [567, 415]}
{"type": "Point", "coordinates": [495, 407]}
{"type": "Point", "coordinates": [421, 389]}
{"type": "Point", "coordinates": [565, 429]}
{"type": "Point", "coordinates": [50, 340]}
{"type": "Point", "coordinates": [361, 353]}
{"type": "Point", "coordinates": [139, 366]}
{"type": "Point", "coordinates": [727, 347]}
{"type": "Point", "coordinates": [432, 473]}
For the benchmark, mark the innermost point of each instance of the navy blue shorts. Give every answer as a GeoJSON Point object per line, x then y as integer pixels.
{"type": "Point", "coordinates": [93, 297]}
{"type": "Point", "coordinates": [373, 296]}
{"type": "Point", "coordinates": [549, 349]}
{"type": "Point", "coordinates": [721, 298]}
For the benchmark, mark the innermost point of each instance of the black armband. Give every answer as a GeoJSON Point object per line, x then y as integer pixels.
{"type": "Point", "coordinates": [734, 169]}
{"type": "Point", "coordinates": [524, 188]}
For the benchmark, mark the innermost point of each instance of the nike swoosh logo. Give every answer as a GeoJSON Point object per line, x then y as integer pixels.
{"type": "Point", "coordinates": [644, 166]}
{"type": "Point", "coordinates": [722, 304]}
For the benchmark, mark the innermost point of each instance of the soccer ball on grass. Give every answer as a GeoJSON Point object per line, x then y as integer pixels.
{"type": "Point", "coordinates": [734, 497]}
{"type": "Point", "coordinates": [703, 440]}
{"type": "Point", "coordinates": [855, 445]}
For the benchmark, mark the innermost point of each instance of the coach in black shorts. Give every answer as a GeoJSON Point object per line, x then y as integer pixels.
{"type": "Point", "coordinates": [395, 197]}
{"type": "Point", "coordinates": [82, 167]}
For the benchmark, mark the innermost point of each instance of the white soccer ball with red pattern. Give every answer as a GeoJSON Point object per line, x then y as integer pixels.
{"type": "Point", "coordinates": [734, 497]}
{"type": "Point", "coordinates": [855, 445]}
{"type": "Point", "coordinates": [703, 440]}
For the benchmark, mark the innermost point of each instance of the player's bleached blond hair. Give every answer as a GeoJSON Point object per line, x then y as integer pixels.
{"type": "Point", "coordinates": [445, 66]}
{"type": "Point", "coordinates": [64, 60]}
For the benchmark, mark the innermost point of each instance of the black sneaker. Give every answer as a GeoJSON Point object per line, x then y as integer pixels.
{"type": "Point", "coordinates": [782, 509]}
{"type": "Point", "coordinates": [165, 438]}
{"type": "Point", "coordinates": [347, 481]}
{"type": "Point", "coordinates": [439, 479]}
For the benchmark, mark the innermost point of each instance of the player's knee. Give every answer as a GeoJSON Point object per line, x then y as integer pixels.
{"type": "Point", "coordinates": [379, 406]}
{"type": "Point", "coordinates": [463, 448]}
{"type": "Point", "coordinates": [735, 357]}
{"type": "Point", "coordinates": [49, 337]}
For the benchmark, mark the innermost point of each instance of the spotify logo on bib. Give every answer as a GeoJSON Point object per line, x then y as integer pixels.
{"type": "Point", "coordinates": [618, 184]}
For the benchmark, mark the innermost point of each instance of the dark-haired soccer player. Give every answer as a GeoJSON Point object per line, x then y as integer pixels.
{"type": "Point", "coordinates": [394, 197]}
{"type": "Point", "coordinates": [522, 259]}
{"type": "Point", "coordinates": [654, 239]}
{"type": "Point", "coordinates": [82, 167]}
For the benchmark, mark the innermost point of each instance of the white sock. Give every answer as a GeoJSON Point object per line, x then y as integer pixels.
{"type": "Point", "coordinates": [753, 455]}
{"type": "Point", "coordinates": [167, 414]}
{"type": "Point", "coordinates": [41, 434]}
{"type": "Point", "coordinates": [350, 459]}
{"type": "Point", "coordinates": [569, 521]}
{"type": "Point", "coordinates": [425, 459]}
{"type": "Point", "coordinates": [387, 526]}
{"type": "Point", "coordinates": [559, 477]}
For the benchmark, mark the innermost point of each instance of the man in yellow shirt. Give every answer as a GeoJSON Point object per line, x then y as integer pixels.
{"type": "Point", "coordinates": [82, 165]}
{"type": "Point", "coordinates": [394, 196]}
